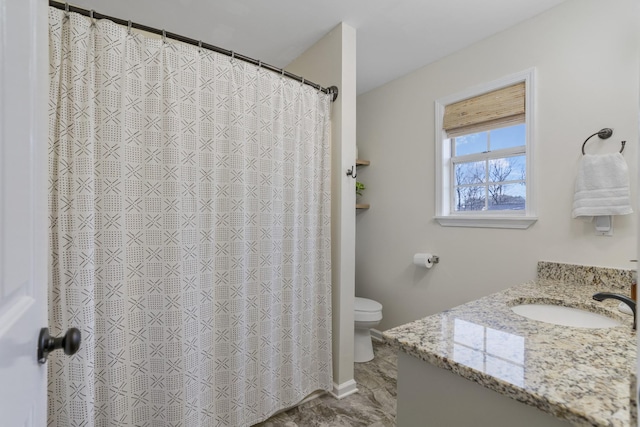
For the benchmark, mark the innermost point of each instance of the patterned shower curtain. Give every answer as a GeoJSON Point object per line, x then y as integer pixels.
{"type": "Point", "coordinates": [190, 232]}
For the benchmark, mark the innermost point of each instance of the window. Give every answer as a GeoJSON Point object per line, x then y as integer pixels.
{"type": "Point", "coordinates": [489, 170]}
{"type": "Point", "coordinates": [484, 155]}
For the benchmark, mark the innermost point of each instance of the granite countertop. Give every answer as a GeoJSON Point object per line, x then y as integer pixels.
{"type": "Point", "coordinates": [581, 375]}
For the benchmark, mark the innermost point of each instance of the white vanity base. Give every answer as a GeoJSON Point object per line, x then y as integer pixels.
{"type": "Point", "coordinates": [431, 396]}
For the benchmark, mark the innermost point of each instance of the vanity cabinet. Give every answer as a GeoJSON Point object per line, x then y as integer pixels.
{"type": "Point", "coordinates": [427, 392]}
{"type": "Point", "coordinates": [481, 364]}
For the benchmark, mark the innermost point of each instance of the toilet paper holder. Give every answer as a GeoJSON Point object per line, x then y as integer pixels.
{"type": "Point", "coordinates": [425, 259]}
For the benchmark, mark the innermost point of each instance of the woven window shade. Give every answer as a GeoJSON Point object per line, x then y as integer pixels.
{"type": "Point", "coordinates": [499, 108]}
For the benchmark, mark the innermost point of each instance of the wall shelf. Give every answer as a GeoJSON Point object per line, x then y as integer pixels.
{"type": "Point", "coordinates": [361, 162]}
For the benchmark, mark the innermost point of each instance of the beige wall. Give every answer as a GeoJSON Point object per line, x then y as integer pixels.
{"type": "Point", "coordinates": [586, 57]}
{"type": "Point", "coordinates": [331, 61]}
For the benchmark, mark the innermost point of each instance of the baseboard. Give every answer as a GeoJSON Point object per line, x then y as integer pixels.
{"type": "Point", "coordinates": [340, 391]}
{"type": "Point", "coordinates": [376, 334]}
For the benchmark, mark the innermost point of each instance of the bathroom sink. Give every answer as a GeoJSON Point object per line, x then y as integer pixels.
{"type": "Point", "coordinates": [564, 316]}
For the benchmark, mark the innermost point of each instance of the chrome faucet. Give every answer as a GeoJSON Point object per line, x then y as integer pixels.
{"type": "Point", "coordinates": [601, 296]}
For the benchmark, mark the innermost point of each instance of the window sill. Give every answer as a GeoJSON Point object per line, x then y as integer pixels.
{"type": "Point", "coordinates": [522, 222]}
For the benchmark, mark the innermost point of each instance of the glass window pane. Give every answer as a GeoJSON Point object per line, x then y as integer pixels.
{"type": "Point", "coordinates": [470, 199]}
{"type": "Point", "coordinates": [471, 144]}
{"type": "Point", "coordinates": [507, 197]}
{"type": "Point", "coordinates": [470, 173]}
{"type": "Point", "coordinates": [512, 136]}
{"type": "Point", "coordinates": [507, 169]}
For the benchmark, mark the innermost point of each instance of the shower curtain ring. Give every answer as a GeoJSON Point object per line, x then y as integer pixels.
{"type": "Point", "coordinates": [200, 46]}
{"type": "Point", "coordinates": [66, 10]}
{"type": "Point", "coordinates": [93, 21]}
{"type": "Point", "coordinates": [129, 27]}
{"type": "Point", "coordinates": [164, 36]}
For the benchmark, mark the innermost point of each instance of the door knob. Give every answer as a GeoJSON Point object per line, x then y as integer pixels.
{"type": "Point", "coordinates": [69, 342]}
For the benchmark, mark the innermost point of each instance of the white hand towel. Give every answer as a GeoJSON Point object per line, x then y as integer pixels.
{"type": "Point", "coordinates": [602, 186]}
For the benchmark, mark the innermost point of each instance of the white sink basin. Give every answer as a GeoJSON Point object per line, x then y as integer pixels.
{"type": "Point", "coordinates": [565, 316]}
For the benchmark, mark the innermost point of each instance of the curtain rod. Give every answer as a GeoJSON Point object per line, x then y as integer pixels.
{"type": "Point", "coordinates": [332, 90]}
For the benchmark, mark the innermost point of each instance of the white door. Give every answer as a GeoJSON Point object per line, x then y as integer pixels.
{"type": "Point", "coordinates": [23, 209]}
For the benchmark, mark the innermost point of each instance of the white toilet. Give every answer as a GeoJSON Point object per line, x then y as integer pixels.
{"type": "Point", "coordinates": [368, 313]}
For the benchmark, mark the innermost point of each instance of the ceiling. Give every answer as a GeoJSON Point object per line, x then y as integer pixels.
{"type": "Point", "coordinates": [394, 37]}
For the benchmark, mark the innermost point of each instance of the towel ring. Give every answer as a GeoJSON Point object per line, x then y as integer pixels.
{"type": "Point", "coordinates": [603, 134]}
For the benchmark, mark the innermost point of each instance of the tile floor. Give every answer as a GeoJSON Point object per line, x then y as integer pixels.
{"type": "Point", "coordinates": [374, 404]}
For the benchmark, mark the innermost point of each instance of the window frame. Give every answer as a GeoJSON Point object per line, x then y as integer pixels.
{"type": "Point", "coordinates": [444, 215]}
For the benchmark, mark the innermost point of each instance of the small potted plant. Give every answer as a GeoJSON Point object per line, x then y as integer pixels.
{"type": "Point", "coordinates": [359, 188]}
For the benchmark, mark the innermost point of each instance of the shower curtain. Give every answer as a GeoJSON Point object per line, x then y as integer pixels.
{"type": "Point", "coordinates": [190, 232]}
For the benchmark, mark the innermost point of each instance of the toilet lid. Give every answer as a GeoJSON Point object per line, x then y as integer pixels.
{"type": "Point", "coordinates": [364, 304]}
